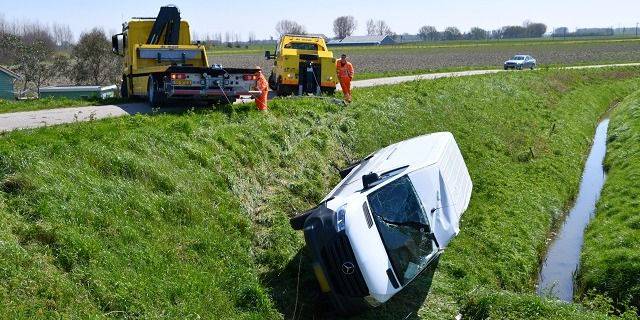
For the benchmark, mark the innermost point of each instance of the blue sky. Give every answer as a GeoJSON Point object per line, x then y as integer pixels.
{"type": "Point", "coordinates": [260, 17]}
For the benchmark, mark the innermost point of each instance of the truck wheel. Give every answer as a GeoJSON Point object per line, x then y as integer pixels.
{"type": "Point", "coordinates": [329, 91]}
{"type": "Point", "coordinates": [154, 96]}
{"type": "Point", "coordinates": [282, 90]}
{"type": "Point", "coordinates": [124, 88]}
{"type": "Point", "coordinates": [272, 81]}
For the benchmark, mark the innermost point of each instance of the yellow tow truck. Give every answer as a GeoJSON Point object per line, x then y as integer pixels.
{"type": "Point", "coordinates": [303, 65]}
{"type": "Point", "coordinates": [161, 64]}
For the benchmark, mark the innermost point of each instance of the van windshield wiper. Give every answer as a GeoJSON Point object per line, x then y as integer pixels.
{"type": "Point", "coordinates": [413, 224]}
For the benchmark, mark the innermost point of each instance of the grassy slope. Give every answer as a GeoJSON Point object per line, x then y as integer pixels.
{"type": "Point", "coordinates": [186, 215]}
{"type": "Point", "coordinates": [611, 258]}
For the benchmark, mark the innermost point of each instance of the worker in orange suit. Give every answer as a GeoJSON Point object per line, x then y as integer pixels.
{"type": "Point", "coordinates": [345, 75]}
{"type": "Point", "coordinates": [263, 87]}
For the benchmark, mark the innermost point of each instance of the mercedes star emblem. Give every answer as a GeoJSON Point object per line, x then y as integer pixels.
{"type": "Point", "coordinates": [348, 268]}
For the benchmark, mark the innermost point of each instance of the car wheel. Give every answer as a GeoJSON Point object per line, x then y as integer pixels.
{"type": "Point", "coordinates": [533, 66]}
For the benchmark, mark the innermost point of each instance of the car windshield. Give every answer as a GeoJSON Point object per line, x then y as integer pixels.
{"type": "Point", "coordinates": [404, 228]}
{"type": "Point", "coordinates": [518, 58]}
{"type": "Point", "coordinates": [302, 46]}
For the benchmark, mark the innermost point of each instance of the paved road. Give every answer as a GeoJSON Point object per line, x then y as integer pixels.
{"type": "Point", "coordinates": [42, 118]}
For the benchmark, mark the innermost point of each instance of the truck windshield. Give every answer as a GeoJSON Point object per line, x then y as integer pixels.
{"type": "Point", "coordinates": [302, 46]}
{"type": "Point", "coordinates": [404, 228]}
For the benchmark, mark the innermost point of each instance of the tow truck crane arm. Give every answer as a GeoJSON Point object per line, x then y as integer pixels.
{"type": "Point", "coordinates": [168, 19]}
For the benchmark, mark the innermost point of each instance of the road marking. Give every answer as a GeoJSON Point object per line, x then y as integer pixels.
{"type": "Point", "coordinates": [43, 118]}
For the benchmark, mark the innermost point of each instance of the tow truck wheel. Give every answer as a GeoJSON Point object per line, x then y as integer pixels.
{"type": "Point", "coordinates": [272, 81]}
{"type": "Point", "coordinates": [153, 94]}
{"type": "Point", "coordinates": [124, 89]}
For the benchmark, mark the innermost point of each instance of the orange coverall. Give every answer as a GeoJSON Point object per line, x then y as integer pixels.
{"type": "Point", "coordinates": [263, 86]}
{"type": "Point", "coordinates": [345, 75]}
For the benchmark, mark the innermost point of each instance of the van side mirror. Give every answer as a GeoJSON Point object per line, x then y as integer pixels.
{"type": "Point", "coordinates": [369, 179]}
{"type": "Point", "coordinates": [267, 55]}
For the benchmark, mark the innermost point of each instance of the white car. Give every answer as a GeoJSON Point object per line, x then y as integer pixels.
{"type": "Point", "coordinates": [390, 217]}
{"type": "Point", "coordinates": [521, 62]}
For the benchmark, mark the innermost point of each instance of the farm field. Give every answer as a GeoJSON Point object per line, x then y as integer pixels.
{"type": "Point", "coordinates": [414, 58]}
{"type": "Point", "coordinates": [186, 215]}
{"type": "Point", "coordinates": [610, 259]}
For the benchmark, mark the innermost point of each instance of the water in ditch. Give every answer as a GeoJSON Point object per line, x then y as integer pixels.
{"type": "Point", "coordinates": [563, 257]}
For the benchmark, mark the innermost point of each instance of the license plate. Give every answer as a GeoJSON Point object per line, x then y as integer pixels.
{"type": "Point", "coordinates": [182, 82]}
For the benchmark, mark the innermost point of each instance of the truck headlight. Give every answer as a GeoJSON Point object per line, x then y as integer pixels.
{"type": "Point", "coordinates": [340, 219]}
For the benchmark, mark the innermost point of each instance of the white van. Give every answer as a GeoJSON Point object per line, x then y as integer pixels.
{"type": "Point", "coordinates": [391, 216]}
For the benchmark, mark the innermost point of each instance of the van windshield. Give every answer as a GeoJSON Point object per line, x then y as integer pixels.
{"type": "Point", "coordinates": [404, 228]}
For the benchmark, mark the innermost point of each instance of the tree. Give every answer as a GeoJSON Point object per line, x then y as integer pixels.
{"type": "Point", "coordinates": [95, 64]}
{"type": "Point", "coordinates": [62, 35]}
{"type": "Point", "coordinates": [34, 64]}
{"type": "Point", "coordinates": [429, 33]}
{"type": "Point", "coordinates": [371, 27]}
{"type": "Point", "coordinates": [478, 34]}
{"type": "Point", "coordinates": [9, 45]}
{"type": "Point", "coordinates": [511, 32]}
{"type": "Point", "coordinates": [344, 26]}
{"type": "Point", "coordinates": [536, 30]}
{"type": "Point", "coordinates": [290, 27]}
{"type": "Point", "coordinates": [252, 37]}
{"type": "Point", "coordinates": [452, 33]}
{"type": "Point", "coordinates": [378, 28]}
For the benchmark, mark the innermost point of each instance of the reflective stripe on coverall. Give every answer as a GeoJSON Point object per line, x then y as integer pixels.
{"type": "Point", "coordinates": [345, 74]}
{"type": "Point", "coordinates": [263, 86]}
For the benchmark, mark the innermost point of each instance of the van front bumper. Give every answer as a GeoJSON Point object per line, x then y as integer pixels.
{"type": "Point", "coordinates": [334, 263]}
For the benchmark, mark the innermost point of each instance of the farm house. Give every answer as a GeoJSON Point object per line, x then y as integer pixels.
{"type": "Point", "coordinates": [7, 81]}
{"type": "Point", "coordinates": [363, 41]}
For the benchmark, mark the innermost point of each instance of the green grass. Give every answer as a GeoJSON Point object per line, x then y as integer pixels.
{"type": "Point", "coordinates": [186, 216]}
{"type": "Point", "coordinates": [7, 106]}
{"type": "Point", "coordinates": [611, 256]}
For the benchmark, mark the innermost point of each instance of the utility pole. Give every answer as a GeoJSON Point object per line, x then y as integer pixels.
{"type": "Point", "coordinates": [637, 24]}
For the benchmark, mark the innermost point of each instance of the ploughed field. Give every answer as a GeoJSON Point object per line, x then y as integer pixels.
{"type": "Point", "coordinates": [415, 58]}
{"type": "Point", "coordinates": [186, 215]}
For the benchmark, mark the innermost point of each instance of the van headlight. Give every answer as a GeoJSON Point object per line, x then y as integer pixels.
{"type": "Point", "coordinates": [340, 219]}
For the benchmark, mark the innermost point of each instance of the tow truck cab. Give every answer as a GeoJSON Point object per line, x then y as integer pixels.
{"type": "Point", "coordinates": [391, 216]}
{"type": "Point", "coordinates": [303, 64]}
